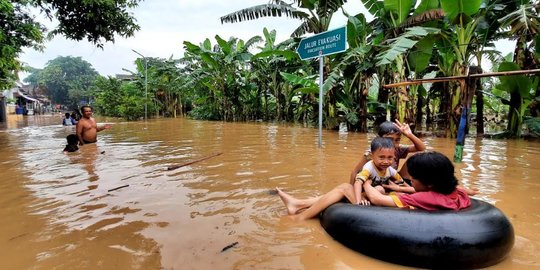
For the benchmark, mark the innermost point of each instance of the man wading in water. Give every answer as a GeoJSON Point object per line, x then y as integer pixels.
{"type": "Point", "coordinates": [87, 128]}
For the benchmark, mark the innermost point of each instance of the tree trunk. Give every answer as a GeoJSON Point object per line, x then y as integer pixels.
{"type": "Point", "coordinates": [419, 115]}
{"type": "Point", "coordinates": [514, 119]}
{"type": "Point", "coordinates": [479, 112]}
{"type": "Point", "coordinates": [362, 95]}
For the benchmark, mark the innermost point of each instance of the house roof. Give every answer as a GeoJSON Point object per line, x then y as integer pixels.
{"type": "Point", "coordinates": [20, 93]}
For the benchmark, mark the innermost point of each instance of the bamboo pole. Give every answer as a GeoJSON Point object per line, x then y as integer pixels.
{"type": "Point", "coordinates": [464, 78]}
{"type": "Point", "coordinates": [445, 79]}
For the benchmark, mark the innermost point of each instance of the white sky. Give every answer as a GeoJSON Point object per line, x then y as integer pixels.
{"type": "Point", "coordinates": [166, 24]}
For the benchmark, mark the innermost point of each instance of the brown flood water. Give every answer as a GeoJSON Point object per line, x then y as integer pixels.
{"type": "Point", "coordinates": [57, 211]}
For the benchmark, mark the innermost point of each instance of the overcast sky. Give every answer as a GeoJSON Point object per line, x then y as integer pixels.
{"type": "Point", "coordinates": [165, 25]}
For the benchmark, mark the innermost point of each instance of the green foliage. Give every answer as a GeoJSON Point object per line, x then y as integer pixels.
{"type": "Point", "coordinates": [419, 58]}
{"type": "Point", "coordinates": [403, 43]}
{"type": "Point", "coordinates": [119, 99]}
{"type": "Point", "coordinates": [524, 20]}
{"type": "Point", "coordinates": [400, 9]}
{"type": "Point", "coordinates": [97, 21]}
{"type": "Point", "coordinates": [537, 46]}
{"type": "Point", "coordinates": [516, 83]}
{"type": "Point", "coordinates": [18, 31]}
{"type": "Point", "coordinates": [426, 5]}
{"type": "Point", "coordinates": [375, 7]}
{"type": "Point", "coordinates": [357, 30]}
{"type": "Point", "coordinates": [454, 8]}
{"type": "Point", "coordinates": [67, 80]}
{"type": "Point", "coordinates": [533, 124]}
{"type": "Point", "coordinates": [314, 14]}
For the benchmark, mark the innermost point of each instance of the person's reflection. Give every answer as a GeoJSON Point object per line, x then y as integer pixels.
{"type": "Point", "coordinates": [87, 156]}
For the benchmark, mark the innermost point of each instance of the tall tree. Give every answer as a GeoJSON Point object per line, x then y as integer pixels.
{"type": "Point", "coordinates": [18, 31]}
{"type": "Point", "coordinates": [97, 21]}
{"type": "Point", "coordinates": [68, 80]}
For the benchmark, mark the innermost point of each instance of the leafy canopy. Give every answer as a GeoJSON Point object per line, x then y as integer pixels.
{"type": "Point", "coordinates": [97, 21]}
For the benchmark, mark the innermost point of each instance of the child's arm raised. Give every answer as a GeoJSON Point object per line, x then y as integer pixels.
{"type": "Point", "coordinates": [418, 145]}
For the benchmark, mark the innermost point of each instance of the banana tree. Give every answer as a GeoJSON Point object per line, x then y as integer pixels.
{"type": "Point", "coordinates": [523, 24]}
{"type": "Point", "coordinates": [398, 27]}
{"type": "Point", "coordinates": [224, 75]}
{"type": "Point", "coordinates": [267, 65]}
{"type": "Point", "coordinates": [351, 76]}
{"type": "Point", "coordinates": [459, 35]}
{"type": "Point", "coordinates": [315, 15]}
{"type": "Point", "coordinates": [519, 87]}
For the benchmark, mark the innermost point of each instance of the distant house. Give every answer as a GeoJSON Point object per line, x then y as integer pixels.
{"type": "Point", "coordinates": [26, 102]}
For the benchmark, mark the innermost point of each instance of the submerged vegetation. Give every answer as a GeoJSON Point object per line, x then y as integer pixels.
{"type": "Point", "coordinates": [261, 79]}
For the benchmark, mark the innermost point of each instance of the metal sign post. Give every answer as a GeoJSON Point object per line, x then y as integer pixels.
{"type": "Point", "coordinates": [325, 43]}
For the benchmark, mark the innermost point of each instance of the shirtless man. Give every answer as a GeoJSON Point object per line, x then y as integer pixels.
{"type": "Point", "coordinates": [87, 128]}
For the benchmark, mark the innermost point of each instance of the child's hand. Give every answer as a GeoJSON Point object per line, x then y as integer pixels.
{"type": "Point", "coordinates": [391, 185]}
{"type": "Point", "coordinates": [363, 201]}
{"type": "Point", "coordinates": [404, 128]}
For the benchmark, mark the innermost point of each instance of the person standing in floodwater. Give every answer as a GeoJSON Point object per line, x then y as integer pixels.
{"type": "Point", "coordinates": [87, 128]}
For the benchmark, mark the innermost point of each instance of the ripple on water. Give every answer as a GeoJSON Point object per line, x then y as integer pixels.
{"type": "Point", "coordinates": [190, 214]}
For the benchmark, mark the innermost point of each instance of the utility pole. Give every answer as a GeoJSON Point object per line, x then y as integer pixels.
{"type": "Point", "coordinates": [145, 83]}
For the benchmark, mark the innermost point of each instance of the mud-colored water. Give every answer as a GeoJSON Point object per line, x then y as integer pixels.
{"type": "Point", "coordinates": [58, 213]}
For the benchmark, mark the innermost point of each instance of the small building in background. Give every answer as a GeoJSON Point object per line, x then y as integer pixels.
{"type": "Point", "coordinates": [22, 100]}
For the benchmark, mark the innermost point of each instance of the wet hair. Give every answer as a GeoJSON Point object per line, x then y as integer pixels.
{"type": "Point", "coordinates": [380, 143]}
{"type": "Point", "coordinates": [72, 139]}
{"type": "Point", "coordinates": [387, 128]}
{"type": "Point", "coordinates": [433, 169]}
{"type": "Point", "coordinates": [72, 146]}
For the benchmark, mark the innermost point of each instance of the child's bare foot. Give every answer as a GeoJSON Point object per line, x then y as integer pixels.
{"type": "Point", "coordinates": [289, 201]}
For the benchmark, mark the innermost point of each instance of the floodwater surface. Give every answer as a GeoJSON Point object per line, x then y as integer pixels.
{"type": "Point", "coordinates": [114, 204]}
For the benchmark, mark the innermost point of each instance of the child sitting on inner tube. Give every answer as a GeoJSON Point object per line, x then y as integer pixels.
{"type": "Point", "coordinates": [432, 176]}
{"type": "Point", "coordinates": [380, 171]}
{"type": "Point", "coordinates": [393, 131]}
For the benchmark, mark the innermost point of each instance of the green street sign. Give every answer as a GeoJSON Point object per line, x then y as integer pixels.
{"type": "Point", "coordinates": [325, 43]}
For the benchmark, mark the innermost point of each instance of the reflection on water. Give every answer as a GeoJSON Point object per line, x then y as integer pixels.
{"type": "Point", "coordinates": [60, 211]}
